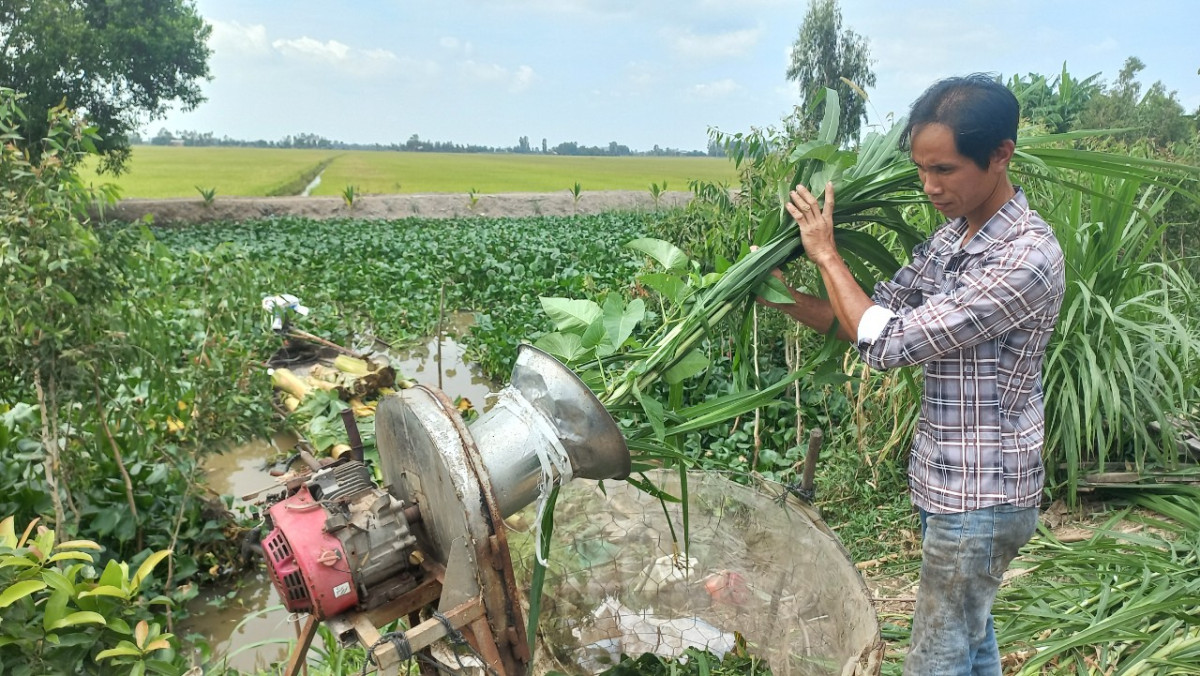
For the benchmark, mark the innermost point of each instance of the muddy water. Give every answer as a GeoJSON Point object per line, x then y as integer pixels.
{"type": "Point", "coordinates": [231, 618]}
{"type": "Point", "coordinates": [246, 625]}
{"type": "Point", "coordinates": [451, 375]}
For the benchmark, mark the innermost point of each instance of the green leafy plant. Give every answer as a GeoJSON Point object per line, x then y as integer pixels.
{"type": "Point", "coordinates": [656, 193]}
{"type": "Point", "coordinates": [1106, 210]}
{"type": "Point", "coordinates": [472, 199]}
{"type": "Point", "coordinates": [576, 193]}
{"type": "Point", "coordinates": [1125, 351]}
{"type": "Point", "coordinates": [50, 335]}
{"type": "Point", "coordinates": [123, 366]}
{"type": "Point", "coordinates": [208, 195]}
{"type": "Point", "coordinates": [58, 616]}
{"type": "Point", "coordinates": [1120, 601]}
{"type": "Point", "coordinates": [349, 195]}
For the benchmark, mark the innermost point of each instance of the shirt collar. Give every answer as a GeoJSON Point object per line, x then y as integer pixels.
{"type": "Point", "coordinates": [997, 226]}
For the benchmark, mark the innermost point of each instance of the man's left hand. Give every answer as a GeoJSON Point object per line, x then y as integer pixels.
{"type": "Point", "coordinates": [816, 223]}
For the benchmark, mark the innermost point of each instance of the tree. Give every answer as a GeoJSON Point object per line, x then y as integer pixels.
{"type": "Point", "coordinates": [827, 56]}
{"type": "Point", "coordinates": [1156, 116]}
{"type": "Point", "coordinates": [120, 64]}
{"type": "Point", "coordinates": [53, 264]}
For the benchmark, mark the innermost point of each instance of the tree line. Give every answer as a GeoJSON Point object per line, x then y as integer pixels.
{"type": "Point", "coordinates": [415, 143]}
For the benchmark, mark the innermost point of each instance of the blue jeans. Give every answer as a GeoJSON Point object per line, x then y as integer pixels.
{"type": "Point", "coordinates": [963, 557]}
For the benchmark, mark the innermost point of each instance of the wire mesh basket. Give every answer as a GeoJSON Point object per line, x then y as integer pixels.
{"type": "Point", "coordinates": [757, 568]}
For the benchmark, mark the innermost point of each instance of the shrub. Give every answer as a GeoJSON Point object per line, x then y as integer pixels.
{"type": "Point", "coordinates": [59, 616]}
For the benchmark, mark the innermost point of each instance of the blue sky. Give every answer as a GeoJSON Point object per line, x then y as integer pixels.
{"type": "Point", "coordinates": [638, 72]}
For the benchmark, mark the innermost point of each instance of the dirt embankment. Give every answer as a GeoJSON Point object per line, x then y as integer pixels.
{"type": "Point", "coordinates": [441, 205]}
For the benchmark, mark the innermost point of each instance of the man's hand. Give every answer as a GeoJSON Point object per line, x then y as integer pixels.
{"type": "Point", "coordinates": [777, 274]}
{"type": "Point", "coordinates": [816, 224]}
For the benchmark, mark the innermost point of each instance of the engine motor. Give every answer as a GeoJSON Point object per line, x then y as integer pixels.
{"type": "Point", "coordinates": [357, 555]}
{"type": "Point", "coordinates": [340, 542]}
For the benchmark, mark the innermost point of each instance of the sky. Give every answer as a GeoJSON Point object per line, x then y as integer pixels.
{"type": "Point", "coordinates": [638, 72]}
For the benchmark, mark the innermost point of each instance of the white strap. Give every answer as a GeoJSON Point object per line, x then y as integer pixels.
{"type": "Point", "coordinates": [556, 464]}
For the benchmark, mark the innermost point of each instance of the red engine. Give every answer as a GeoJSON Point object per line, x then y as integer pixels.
{"type": "Point", "coordinates": [338, 541]}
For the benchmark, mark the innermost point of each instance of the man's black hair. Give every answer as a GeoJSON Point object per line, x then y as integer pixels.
{"type": "Point", "coordinates": [980, 111]}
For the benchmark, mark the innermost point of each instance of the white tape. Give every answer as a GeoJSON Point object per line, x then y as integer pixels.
{"type": "Point", "coordinates": [553, 458]}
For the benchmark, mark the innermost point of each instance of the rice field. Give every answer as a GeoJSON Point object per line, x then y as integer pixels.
{"type": "Point", "coordinates": [165, 172]}
{"type": "Point", "coordinates": [156, 171]}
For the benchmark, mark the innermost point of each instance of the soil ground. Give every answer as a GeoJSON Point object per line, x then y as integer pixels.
{"type": "Point", "coordinates": [440, 205]}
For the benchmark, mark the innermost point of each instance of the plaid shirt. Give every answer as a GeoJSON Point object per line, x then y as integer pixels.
{"type": "Point", "coordinates": [977, 318]}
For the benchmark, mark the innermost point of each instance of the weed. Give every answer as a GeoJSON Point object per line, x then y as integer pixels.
{"type": "Point", "coordinates": [472, 199]}
{"type": "Point", "coordinates": [349, 194]}
{"type": "Point", "coordinates": [657, 193]}
{"type": "Point", "coordinates": [576, 193]}
{"type": "Point", "coordinates": [208, 195]}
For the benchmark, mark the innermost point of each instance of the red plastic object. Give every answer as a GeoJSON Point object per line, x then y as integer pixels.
{"type": "Point", "coordinates": [306, 564]}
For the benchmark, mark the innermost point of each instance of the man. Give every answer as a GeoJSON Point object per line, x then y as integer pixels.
{"type": "Point", "coordinates": [975, 307]}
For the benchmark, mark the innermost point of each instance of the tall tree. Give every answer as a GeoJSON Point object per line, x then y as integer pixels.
{"type": "Point", "coordinates": [826, 55]}
{"type": "Point", "coordinates": [1156, 116]}
{"type": "Point", "coordinates": [119, 62]}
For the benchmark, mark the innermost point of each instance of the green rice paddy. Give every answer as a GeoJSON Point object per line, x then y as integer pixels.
{"type": "Point", "coordinates": [164, 172]}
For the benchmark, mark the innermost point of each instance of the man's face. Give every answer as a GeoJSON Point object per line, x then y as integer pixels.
{"type": "Point", "coordinates": [954, 183]}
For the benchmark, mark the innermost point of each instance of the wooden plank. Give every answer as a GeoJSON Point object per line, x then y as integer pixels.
{"type": "Point", "coordinates": [300, 655]}
{"type": "Point", "coordinates": [420, 636]}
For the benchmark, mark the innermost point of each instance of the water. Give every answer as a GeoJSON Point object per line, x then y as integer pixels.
{"type": "Point", "coordinates": [312, 186]}
{"type": "Point", "coordinates": [232, 617]}
{"type": "Point", "coordinates": [246, 623]}
{"type": "Point", "coordinates": [456, 377]}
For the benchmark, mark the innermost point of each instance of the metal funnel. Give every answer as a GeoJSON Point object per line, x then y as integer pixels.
{"type": "Point", "coordinates": [544, 395]}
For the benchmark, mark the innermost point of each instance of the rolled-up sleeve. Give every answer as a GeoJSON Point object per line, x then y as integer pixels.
{"type": "Point", "coordinates": [872, 324]}
{"type": "Point", "coordinates": [976, 305]}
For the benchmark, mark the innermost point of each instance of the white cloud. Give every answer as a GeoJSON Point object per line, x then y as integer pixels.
{"type": "Point", "coordinates": [488, 73]}
{"type": "Point", "coordinates": [522, 79]}
{"type": "Point", "coordinates": [743, 5]}
{"type": "Point", "coordinates": [718, 89]}
{"type": "Point", "coordinates": [692, 46]}
{"type": "Point", "coordinates": [362, 63]}
{"type": "Point", "coordinates": [475, 72]}
{"type": "Point", "coordinates": [231, 37]}
{"type": "Point", "coordinates": [458, 48]}
{"type": "Point", "coordinates": [642, 75]}
{"type": "Point", "coordinates": [594, 7]}
{"type": "Point", "coordinates": [307, 47]}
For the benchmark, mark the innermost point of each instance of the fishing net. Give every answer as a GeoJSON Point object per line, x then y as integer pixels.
{"type": "Point", "coordinates": [761, 573]}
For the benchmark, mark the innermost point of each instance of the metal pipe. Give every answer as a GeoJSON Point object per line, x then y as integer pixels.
{"type": "Point", "coordinates": [412, 514]}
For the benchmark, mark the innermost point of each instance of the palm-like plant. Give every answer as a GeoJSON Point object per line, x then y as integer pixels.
{"type": "Point", "coordinates": [1125, 353]}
